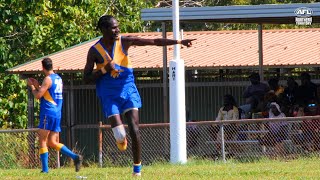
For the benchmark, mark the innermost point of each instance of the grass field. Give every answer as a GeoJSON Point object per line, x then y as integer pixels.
{"type": "Point", "coordinates": [307, 168]}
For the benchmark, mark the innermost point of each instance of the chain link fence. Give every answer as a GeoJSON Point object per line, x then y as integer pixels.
{"type": "Point", "coordinates": [20, 149]}
{"type": "Point", "coordinates": [155, 145]}
{"type": "Point", "coordinates": [243, 140]}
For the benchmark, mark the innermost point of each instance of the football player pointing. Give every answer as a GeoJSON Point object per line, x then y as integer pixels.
{"type": "Point", "coordinates": [114, 80]}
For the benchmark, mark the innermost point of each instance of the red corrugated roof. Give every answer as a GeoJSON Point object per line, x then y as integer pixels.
{"type": "Point", "coordinates": [212, 49]}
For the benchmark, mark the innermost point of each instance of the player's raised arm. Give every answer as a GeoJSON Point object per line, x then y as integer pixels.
{"type": "Point", "coordinates": [38, 93]}
{"type": "Point", "coordinates": [137, 41]}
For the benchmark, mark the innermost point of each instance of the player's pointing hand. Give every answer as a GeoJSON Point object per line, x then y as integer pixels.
{"type": "Point", "coordinates": [187, 42]}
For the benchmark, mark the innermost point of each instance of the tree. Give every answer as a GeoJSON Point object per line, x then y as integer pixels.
{"type": "Point", "coordinates": [31, 29]}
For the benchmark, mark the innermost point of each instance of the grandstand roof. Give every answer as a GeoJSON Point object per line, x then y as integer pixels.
{"type": "Point", "coordinates": [212, 49]}
{"type": "Point", "coordinates": [264, 13]}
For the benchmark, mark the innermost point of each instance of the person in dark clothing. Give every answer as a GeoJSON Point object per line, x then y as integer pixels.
{"type": "Point", "coordinates": [275, 87]}
{"type": "Point", "coordinates": [307, 90]}
{"type": "Point", "coordinates": [254, 93]}
{"type": "Point", "coordinates": [290, 92]}
{"type": "Point", "coordinates": [288, 97]}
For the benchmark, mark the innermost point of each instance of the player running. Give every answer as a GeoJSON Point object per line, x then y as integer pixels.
{"type": "Point", "coordinates": [51, 99]}
{"type": "Point", "coordinates": [114, 80]}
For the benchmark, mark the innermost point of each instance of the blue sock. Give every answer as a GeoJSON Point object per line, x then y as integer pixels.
{"type": "Point", "coordinates": [64, 150]}
{"type": "Point", "coordinates": [137, 168]}
{"type": "Point", "coordinates": [44, 159]}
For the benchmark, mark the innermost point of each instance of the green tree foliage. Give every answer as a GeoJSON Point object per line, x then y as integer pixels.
{"type": "Point", "coordinates": [31, 29]}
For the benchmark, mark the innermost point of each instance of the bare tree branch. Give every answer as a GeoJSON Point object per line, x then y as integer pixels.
{"type": "Point", "coordinates": [185, 3]}
{"type": "Point", "coordinates": [14, 35]}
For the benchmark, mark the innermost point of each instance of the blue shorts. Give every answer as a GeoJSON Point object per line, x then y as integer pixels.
{"type": "Point", "coordinates": [128, 98]}
{"type": "Point", "coordinates": [50, 123]}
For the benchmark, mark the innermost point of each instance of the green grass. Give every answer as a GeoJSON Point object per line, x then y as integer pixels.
{"type": "Point", "coordinates": [307, 168]}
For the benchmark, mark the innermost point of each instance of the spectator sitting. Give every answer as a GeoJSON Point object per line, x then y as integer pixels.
{"type": "Point", "coordinates": [254, 92]}
{"type": "Point", "coordinates": [278, 131]}
{"type": "Point", "coordinates": [275, 87]}
{"type": "Point", "coordinates": [290, 91]}
{"type": "Point", "coordinates": [288, 97]}
{"type": "Point", "coordinates": [307, 90]}
{"type": "Point", "coordinates": [229, 111]}
{"type": "Point", "coordinates": [275, 112]}
{"type": "Point", "coordinates": [264, 105]}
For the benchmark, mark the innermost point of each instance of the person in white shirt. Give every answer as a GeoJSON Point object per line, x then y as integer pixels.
{"type": "Point", "coordinates": [229, 111]}
{"type": "Point", "coordinates": [278, 131]}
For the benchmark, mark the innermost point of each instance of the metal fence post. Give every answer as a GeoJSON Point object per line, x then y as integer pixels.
{"type": "Point", "coordinates": [100, 143]}
{"type": "Point", "coordinates": [31, 136]}
{"type": "Point", "coordinates": [223, 152]}
{"type": "Point", "coordinates": [72, 114]}
{"type": "Point", "coordinates": [58, 153]}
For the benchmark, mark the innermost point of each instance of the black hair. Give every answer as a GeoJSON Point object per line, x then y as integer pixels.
{"type": "Point", "coordinates": [254, 75]}
{"type": "Point", "coordinates": [273, 81]}
{"type": "Point", "coordinates": [104, 21]}
{"type": "Point", "coordinates": [305, 75]}
{"type": "Point", "coordinates": [290, 78]}
{"type": "Point", "coordinates": [231, 99]}
{"type": "Point", "coordinates": [47, 64]}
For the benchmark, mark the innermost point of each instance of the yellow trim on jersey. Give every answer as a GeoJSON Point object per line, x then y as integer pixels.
{"type": "Point", "coordinates": [103, 54]}
{"type": "Point", "coordinates": [43, 150]}
{"type": "Point", "coordinates": [119, 57]}
{"type": "Point", "coordinates": [48, 97]}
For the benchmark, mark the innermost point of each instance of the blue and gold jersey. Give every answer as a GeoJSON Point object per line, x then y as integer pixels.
{"type": "Point", "coordinates": [113, 83]}
{"type": "Point", "coordinates": [51, 101]}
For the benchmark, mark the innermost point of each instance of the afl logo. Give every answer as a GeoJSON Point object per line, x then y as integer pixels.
{"type": "Point", "coordinates": [303, 12]}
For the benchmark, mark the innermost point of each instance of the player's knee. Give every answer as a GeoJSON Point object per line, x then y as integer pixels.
{"type": "Point", "coordinates": [135, 129]}
{"type": "Point", "coordinates": [55, 145]}
{"type": "Point", "coordinates": [133, 125]}
{"type": "Point", "coordinates": [119, 133]}
{"type": "Point", "coordinates": [51, 144]}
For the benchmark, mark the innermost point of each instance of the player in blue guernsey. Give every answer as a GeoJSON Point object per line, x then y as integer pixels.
{"type": "Point", "coordinates": [114, 80]}
{"type": "Point", "coordinates": [51, 99]}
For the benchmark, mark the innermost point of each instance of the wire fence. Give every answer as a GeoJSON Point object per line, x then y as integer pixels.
{"type": "Point", "coordinates": [244, 140]}
{"type": "Point", "coordinates": [20, 149]}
